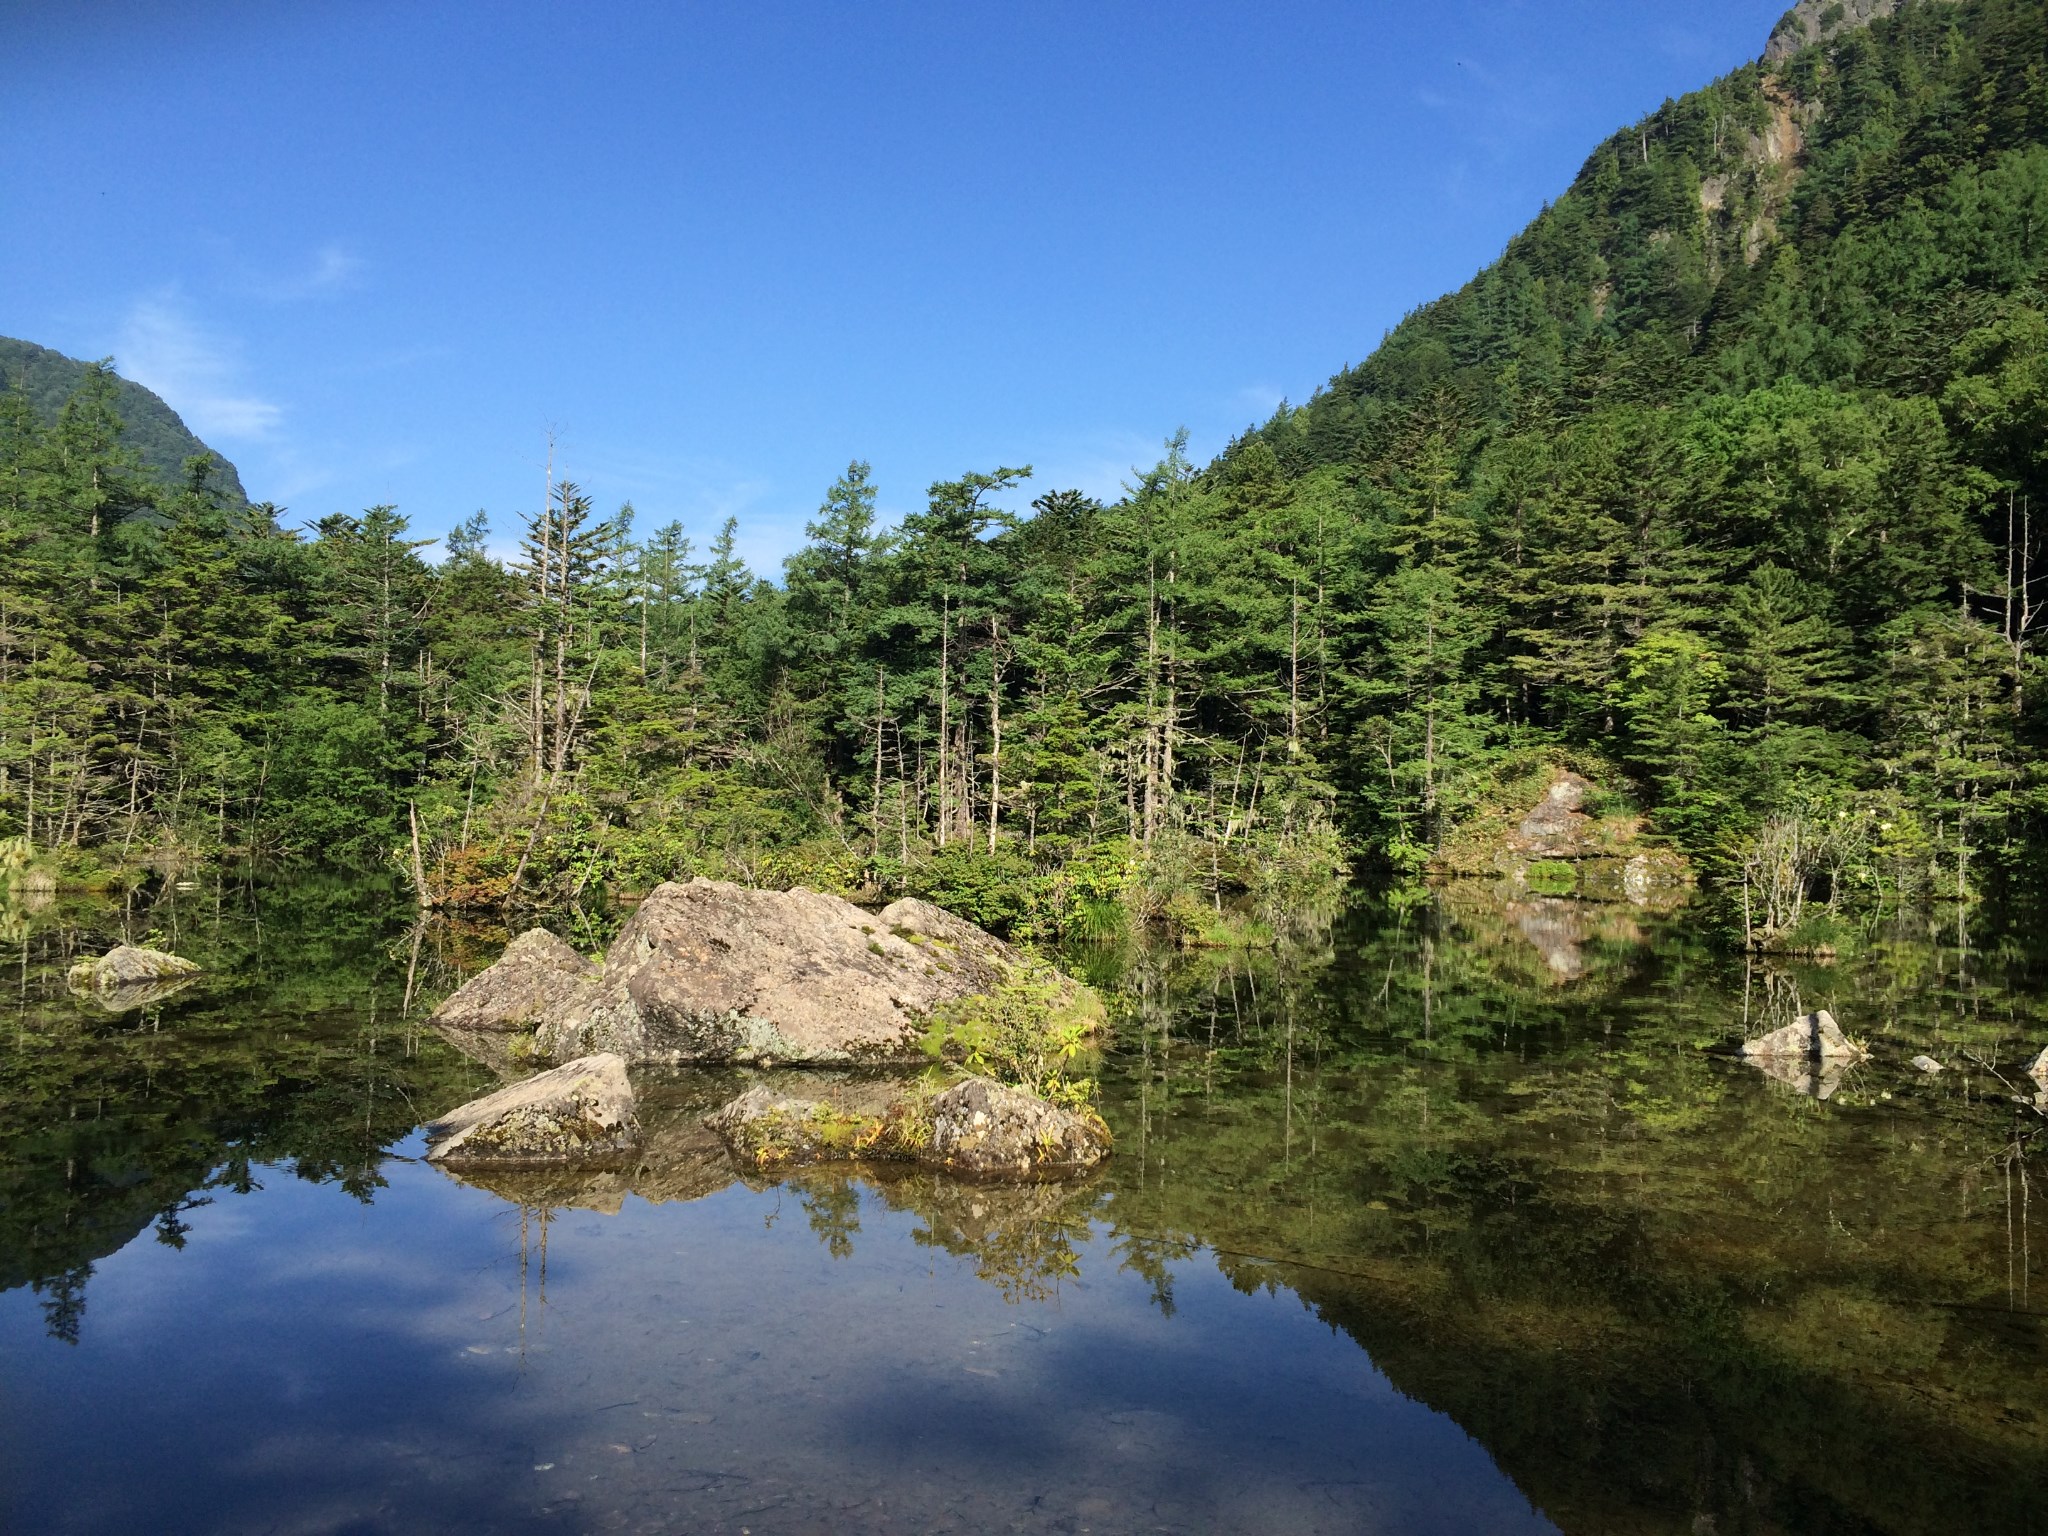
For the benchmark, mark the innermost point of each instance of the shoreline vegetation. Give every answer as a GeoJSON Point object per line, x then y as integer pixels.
{"type": "Point", "coordinates": [1715, 493]}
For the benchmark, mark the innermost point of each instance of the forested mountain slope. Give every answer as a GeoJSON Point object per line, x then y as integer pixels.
{"type": "Point", "coordinates": [1731, 458]}
{"type": "Point", "coordinates": [156, 434]}
{"type": "Point", "coordinates": [1719, 486]}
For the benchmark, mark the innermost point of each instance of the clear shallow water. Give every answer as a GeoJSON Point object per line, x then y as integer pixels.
{"type": "Point", "coordinates": [1444, 1221]}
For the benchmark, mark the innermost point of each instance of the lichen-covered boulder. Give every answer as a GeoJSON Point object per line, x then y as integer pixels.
{"type": "Point", "coordinates": [580, 1112]}
{"type": "Point", "coordinates": [715, 972]}
{"type": "Point", "coordinates": [537, 977]}
{"type": "Point", "coordinates": [128, 965]}
{"type": "Point", "coordinates": [985, 1128]}
{"type": "Point", "coordinates": [1815, 1037]}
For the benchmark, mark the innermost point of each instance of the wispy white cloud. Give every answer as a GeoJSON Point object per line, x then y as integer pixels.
{"type": "Point", "coordinates": [333, 268]}
{"type": "Point", "coordinates": [200, 373]}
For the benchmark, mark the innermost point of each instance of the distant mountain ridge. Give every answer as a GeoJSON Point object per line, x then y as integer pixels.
{"type": "Point", "coordinates": [1821, 21]}
{"type": "Point", "coordinates": [1814, 215]}
{"type": "Point", "coordinates": [152, 429]}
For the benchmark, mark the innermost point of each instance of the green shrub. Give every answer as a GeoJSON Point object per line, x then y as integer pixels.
{"type": "Point", "coordinates": [998, 891]}
{"type": "Point", "coordinates": [1027, 1033]}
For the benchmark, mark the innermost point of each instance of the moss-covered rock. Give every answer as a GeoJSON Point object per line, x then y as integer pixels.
{"type": "Point", "coordinates": [977, 1127]}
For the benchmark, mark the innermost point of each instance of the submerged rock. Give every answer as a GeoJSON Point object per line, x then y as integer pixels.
{"type": "Point", "coordinates": [126, 966]}
{"type": "Point", "coordinates": [975, 1127]}
{"type": "Point", "coordinates": [537, 977]}
{"type": "Point", "coordinates": [714, 972]}
{"type": "Point", "coordinates": [677, 1160]}
{"type": "Point", "coordinates": [1816, 1037]}
{"type": "Point", "coordinates": [1928, 1065]}
{"type": "Point", "coordinates": [579, 1112]}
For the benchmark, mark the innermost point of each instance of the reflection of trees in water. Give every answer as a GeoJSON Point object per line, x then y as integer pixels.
{"type": "Point", "coordinates": [1023, 1239]}
{"type": "Point", "coordinates": [63, 1300]}
{"type": "Point", "coordinates": [1655, 1286]}
{"type": "Point", "coordinates": [833, 1209]}
{"type": "Point", "coordinates": [294, 1048]}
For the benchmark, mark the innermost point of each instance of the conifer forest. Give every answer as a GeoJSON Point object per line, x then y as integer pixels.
{"type": "Point", "coordinates": [1726, 485]}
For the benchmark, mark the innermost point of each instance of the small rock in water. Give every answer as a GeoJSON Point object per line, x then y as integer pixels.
{"type": "Point", "coordinates": [580, 1112]}
{"type": "Point", "coordinates": [1927, 1064]}
{"type": "Point", "coordinates": [1816, 1037]}
{"type": "Point", "coordinates": [127, 965]}
{"type": "Point", "coordinates": [983, 1127]}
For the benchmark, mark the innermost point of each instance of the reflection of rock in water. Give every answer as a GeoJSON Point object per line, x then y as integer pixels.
{"type": "Point", "coordinates": [1814, 1076]}
{"type": "Point", "coordinates": [487, 1047]}
{"type": "Point", "coordinates": [681, 1161]}
{"type": "Point", "coordinates": [1023, 1239]}
{"type": "Point", "coordinates": [141, 994]}
{"type": "Point", "coordinates": [678, 1160]}
{"type": "Point", "coordinates": [1558, 930]}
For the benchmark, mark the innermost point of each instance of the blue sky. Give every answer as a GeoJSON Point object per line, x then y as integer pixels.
{"type": "Point", "coordinates": [374, 252]}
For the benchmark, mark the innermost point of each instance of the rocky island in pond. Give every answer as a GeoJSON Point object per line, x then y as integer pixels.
{"type": "Point", "coordinates": [715, 974]}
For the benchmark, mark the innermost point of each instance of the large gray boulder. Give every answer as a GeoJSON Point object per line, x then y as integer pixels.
{"type": "Point", "coordinates": [580, 1112]}
{"type": "Point", "coordinates": [2038, 1069]}
{"type": "Point", "coordinates": [976, 1127]}
{"type": "Point", "coordinates": [1816, 1037]}
{"type": "Point", "coordinates": [714, 972]}
{"type": "Point", "coordinates": [537, 978]}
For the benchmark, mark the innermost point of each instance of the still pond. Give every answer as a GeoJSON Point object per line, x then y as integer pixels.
{"type": "Point", "coordinates": [1447, 1216]}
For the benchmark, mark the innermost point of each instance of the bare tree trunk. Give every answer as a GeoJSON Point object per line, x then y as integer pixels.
{"type": "Point", "coordinates": [540, 632]}
{"type": "Point", "coordinates": [995, 727]}
{"type": "Point", "coordinates": [419, 869]}
{"type": "Point", "coordinates": [945, 717]}
{"type": "Point", "coordinates": [1294, 672]}
{"type": "Point", "coordinates": [1151, 704]}
{"type": "Point", "coordinates": [875, 808]}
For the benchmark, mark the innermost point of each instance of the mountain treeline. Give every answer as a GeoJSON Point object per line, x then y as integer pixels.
{"type": "Point", "coordinates": [1724, 485]}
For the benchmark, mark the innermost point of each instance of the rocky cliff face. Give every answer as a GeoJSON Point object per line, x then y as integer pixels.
{"type": "Point", "coordinates": [1816, 21]}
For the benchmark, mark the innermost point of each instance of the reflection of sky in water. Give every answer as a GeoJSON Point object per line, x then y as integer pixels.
{"type": "Point", "coordinates": [330, 1367]}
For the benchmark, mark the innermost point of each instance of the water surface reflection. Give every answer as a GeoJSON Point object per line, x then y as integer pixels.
{"type": "Point", "coordinates": [1452, 1217]}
